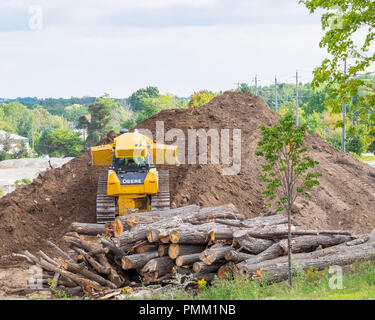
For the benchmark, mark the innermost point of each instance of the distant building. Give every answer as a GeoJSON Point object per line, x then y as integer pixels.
{"type": "Point", "coordinates": [15, 141]}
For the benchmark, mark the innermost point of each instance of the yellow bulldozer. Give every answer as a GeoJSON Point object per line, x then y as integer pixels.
{"type": "Point", "coordinates": [132, 184]}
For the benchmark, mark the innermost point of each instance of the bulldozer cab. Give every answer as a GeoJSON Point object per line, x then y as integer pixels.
{"type": "Point", "coordinates": [129, 164]}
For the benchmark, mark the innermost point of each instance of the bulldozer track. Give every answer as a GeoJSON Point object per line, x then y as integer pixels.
{"type": "Point", "coordinates": [105, 205]}
{"type": "Point", "coordinates": [162, 200]}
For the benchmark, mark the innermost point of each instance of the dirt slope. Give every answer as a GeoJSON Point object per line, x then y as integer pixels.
{"type": "Point", "coordinates": [345, 199]}
{"type": "Point", "coordinates": [44, 209]}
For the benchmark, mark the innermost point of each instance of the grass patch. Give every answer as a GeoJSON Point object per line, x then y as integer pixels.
{"type": "Point", "coordinates": [358, 284]}
{"type": "Point", "coordinates": [365, 158]}
{"type": "Point", "coordinates": [22, 182]}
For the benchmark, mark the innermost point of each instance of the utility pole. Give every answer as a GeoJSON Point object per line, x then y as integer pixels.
{"type": "Point", "coordinates": [343, 134]}
{"type": "Point", "coordinates": [276, 100]}
{"type": "Point", "coordinates": [32, 135]}
{"type": "Point", "coordinates": [256, 85]}
{"type": "Point", "coordinates": [297, 104]}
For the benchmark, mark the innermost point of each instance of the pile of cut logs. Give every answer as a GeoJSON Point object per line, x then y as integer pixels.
{"type": "Point", "coordinates": [197, 244]}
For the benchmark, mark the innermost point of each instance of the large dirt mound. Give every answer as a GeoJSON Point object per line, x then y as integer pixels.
{"type": "Point", "coordinates": [44, 209]}
{"type": "Point", "coordinates": [345, 198]}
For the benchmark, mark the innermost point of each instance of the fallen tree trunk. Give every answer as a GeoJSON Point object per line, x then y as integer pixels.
{"type": "Point", "coordinates": [137, 261]}
{"type": "Point", "coordinates": [157, 268]}
{"type": "Point", "coordinates": [282, 232]}
{"type": "Point", "coordinates": [189, 236]}
{"type": "Point", "coordinates": [188, 259]}
{"type": "Point", "coordinates": [92, 229]}
{"type": "Point", "coordinates": [270, 253]}
{"type": "Point", "coordinates": [126, 223]}
{"type": "Point", "coordinates": [146, 247]}
{"type": "Point", "coordinates": [265, 221]}
{"type": "Point", "coordinates": [228, 270]}
{"type": "Point", "coordinates": [136, 219]}
{"type": "Point", "coordinates": [200, 266]}
{"type": "Point", "coordinates": [251, 244]}
{"type": "Point", "coordinates": [277, 269]}
{"type": "Point", "coordinates": [109, 244]}
{"type": "Point", "coordinates": [237, 257]}
{"type": "Point", "coordinates": [209, 256]}
{"type": "Point", "coordinates": [309, 243]}
{"type": "Point", "coordinates": [175, 250]}
{"type": "Point", "coordinates": [92, 261]}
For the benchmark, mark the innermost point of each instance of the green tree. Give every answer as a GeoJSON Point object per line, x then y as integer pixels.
{"type": "Point", "coordinates": [136, 100]}
{"type": "Point", "coordinates": [59, 143]}
{"type": "Point", "coordinates": [5, 146]}
{"type": "Point", "coordinates": [201, 98]}
{"type": "Point", "coordinates": [74, 112]}
{"type": "Point", "coordinates": [287, 169]}
{"type": "Point", "coordinates": [99, 121]}
{"type": "Point", "coordinates": [151, 106]}
{"type": "Point", "coordinates": [358, 139]}
{"type": "Point", "coordinates": [344, 22]}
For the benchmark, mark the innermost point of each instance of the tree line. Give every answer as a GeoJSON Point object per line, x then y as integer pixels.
{"type": "Point", "coordinates": [65, 127]}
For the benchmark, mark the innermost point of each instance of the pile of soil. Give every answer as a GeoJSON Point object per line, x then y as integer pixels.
{"type": "Point", "coordinates": [44, 209]}
{"type": "Point", "coordinates": [345, 198]}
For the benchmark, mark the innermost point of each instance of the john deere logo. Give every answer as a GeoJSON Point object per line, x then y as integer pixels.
{"type": "Point", "coordinates": [132, 181]}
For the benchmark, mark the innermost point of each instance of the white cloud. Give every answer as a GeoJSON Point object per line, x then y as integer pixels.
{"type": "Point", "coordinates": [167, 3]}
{"type": "Point", "coordinates": [117, 47]}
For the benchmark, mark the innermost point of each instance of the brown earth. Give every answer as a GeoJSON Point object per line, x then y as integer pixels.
{"type": "Point", "coordinates": [44, 209]}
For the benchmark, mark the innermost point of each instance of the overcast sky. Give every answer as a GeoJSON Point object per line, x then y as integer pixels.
{"type": "Point", "coordinates": [117, 46]}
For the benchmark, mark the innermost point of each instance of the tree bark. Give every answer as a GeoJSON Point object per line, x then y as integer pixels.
{"type": "Point", "coordinates": [156, 268]}
{"type": "Point", "coordinates": [137, 261]}
{"type": "Point", "coordinates": [237, 257]}
{"type": "Point", "coordinates": [222, 233]}
{"type": "Point", "coordinates": [105, 269]}
{"type": "Point", "coordinates": [187, 260]}
{"type": "Point", "coordinates": [310, 243]}
{"type": "Point", "coordinates": [209, 256]}
{"type": "Point", "coordinates": [272, 252]}
{"type": "Point", "coordinates": [92, 229]}
{"type": "Point", "coordinates": [176, 250]}
{"type": "Point", "coordinates": [251, 244]}
{"type": "Point", "coordinates": [228, 270]}
{"type": "Point", "coordinates": [116, 251]}
{"type": "Point", "coordinates": [189, 236]}
{"type": "Point", "coordinates": [202, 267]}
{"type": "Point", "coordinates": [147, 247]}
{"type": "Point", "coordinates": [277, 269]}
{"type": "Point", "coordinates": [282, 232]}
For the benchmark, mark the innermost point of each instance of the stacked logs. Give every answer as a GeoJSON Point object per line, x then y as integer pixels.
{"type": "Point", "coordinates": [196, 243]}
{"type": "Point", "coordinates": [219, 241]}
